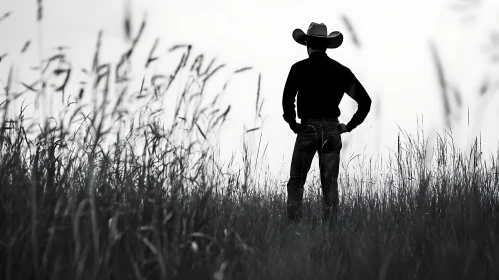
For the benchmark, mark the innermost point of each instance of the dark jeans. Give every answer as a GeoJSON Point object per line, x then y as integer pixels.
{"type": "Point", "coordinates": [322, 136]}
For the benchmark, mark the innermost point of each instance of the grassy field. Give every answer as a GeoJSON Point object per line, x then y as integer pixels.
{"type": "Point", "coordinates": [144, 206]}
{"type": "Point", "coordinates": [92, 215]}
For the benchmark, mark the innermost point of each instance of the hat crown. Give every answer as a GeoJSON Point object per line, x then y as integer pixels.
{"type": "Point", "coordinates": [317, 29]}
{"type": "Point", "coordinates": [317, 33]}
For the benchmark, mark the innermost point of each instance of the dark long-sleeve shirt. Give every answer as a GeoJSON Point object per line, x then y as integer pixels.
{"type": "Point", "coordinates": [320, 83]}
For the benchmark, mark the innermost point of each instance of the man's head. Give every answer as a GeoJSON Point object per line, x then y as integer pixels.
{"type": "Point", "coordinates": [316, 47]}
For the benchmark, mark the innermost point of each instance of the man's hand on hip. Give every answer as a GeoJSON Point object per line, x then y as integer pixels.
{"type": "Point", "coordinates": [342, 128]}
{"type": "Point", "coordinates": [296, 128]}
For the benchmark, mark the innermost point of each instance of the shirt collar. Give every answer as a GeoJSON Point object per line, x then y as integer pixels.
{"type": "Point", "coordinates": [318, 54]}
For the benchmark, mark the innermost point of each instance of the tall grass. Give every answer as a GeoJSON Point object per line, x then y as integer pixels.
{"type": "Point", "coordinates": [96, 201]}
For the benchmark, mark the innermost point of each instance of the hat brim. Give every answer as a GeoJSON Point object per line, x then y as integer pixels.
{"type": "Point", "coordinates": [333, 40]}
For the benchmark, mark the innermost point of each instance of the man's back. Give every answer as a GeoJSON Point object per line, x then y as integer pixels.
{"type": "Point", "coordinates": [321, 83]}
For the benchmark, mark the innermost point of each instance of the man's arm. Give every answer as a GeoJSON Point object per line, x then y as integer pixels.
{"type": "Point", "coordinates": [288, 97]}
{"type": "Point", "coordinates": [357, 92]}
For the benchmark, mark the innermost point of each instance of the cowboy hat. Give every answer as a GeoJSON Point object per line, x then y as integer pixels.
{"type": "Point", "coordinates": [317, 34]}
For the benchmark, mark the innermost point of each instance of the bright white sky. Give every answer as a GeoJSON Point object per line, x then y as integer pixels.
{"type": "Point", "coordinates": [394, 64]}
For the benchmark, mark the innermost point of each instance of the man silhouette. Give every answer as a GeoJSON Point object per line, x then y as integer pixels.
{"type": "Point", "coordinates": [320, 83]}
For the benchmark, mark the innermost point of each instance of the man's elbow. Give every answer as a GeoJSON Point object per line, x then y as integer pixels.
{"type": "Point", "coordinates": [366, 103]}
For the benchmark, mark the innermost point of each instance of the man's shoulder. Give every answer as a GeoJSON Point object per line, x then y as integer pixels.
{"type": "Point", "coordinates": [299, 63]}
{"type": "Point", "coordinates": [338, 64]}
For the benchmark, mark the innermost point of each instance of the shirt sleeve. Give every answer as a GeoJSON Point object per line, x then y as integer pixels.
{"type": "Point", "coordinates": [347, 79]}
{"type": "Point", "coordinates": [360, 95]}
{"type": "Point", "coordinates": [289, 94]}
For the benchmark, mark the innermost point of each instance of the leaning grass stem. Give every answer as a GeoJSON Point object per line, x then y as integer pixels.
{"type": "Point", "coordinates": [34, 231]}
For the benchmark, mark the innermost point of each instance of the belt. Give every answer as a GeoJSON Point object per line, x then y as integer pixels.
{"type": "Point", "coordinates": [304, 121]}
